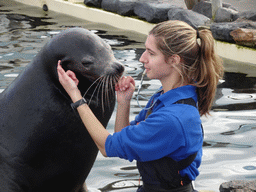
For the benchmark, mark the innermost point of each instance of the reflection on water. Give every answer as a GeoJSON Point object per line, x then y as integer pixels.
{"type": "Point", "coordinates": [229, 145]}
{"type": "Point", "coordinates": [122, 184]}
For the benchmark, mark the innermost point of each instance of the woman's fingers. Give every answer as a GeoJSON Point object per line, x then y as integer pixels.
{"type": "Point", "coordinates": [72, 75]}
{"type": "Point", "coordinates": [124, 83]}
{"type": "Point", "coordinates": [125, 89]}
{"type": "Point", "coordinates": [67, 79]}
{"type": "Point", "coordinates": [60, 70]}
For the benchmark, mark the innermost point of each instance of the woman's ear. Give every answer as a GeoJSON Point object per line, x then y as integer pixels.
{"type": "Point", "coordinates": [174, 60]}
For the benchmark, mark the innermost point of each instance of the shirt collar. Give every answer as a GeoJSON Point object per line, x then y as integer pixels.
{"type": "Point", "coordinates": [174, 95]}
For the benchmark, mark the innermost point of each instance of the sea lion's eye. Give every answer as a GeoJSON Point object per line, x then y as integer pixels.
{"type": "Point", "coordinates": [87, 61]}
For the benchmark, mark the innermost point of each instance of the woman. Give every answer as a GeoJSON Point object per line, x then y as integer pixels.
{"type": "Point", "coordinates": [166, 137]}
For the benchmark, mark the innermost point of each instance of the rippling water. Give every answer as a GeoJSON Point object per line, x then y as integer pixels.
{"type": "Point", "coordinates": [229, 145]}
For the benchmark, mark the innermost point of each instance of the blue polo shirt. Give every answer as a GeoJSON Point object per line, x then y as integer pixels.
{"type": "Point", "coordinates": [172, 130]}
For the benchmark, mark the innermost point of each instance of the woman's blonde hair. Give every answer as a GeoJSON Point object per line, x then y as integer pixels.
{"type": "Point", "coordinates": [200, 65]}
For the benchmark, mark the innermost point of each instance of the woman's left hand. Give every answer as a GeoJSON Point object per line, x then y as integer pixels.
{"type": "Point", "coordinates": [125, 89]}
{"type": "Point", "coordinates": [68, 80]}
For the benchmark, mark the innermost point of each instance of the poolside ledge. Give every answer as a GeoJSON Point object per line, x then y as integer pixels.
{"type": "Point", "coordinates": [77, 8]}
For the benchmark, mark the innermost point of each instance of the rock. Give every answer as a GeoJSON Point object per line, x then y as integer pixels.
{"type": "Point", "coordinates": [228, 5]}
{"type": "Point", "coordinates": [246, 37]}
{"type": "Point", "coordinates": [122, 7]}
{"type": "Point", "coordinates": [204, 7]}
{"type": "Point", "coordinates": [191, 3]}
{"type": "Point", "coordinates": [152, 12]}
{"type": "Point", "coordinates": [221, 31]}
{"type": "Point", "coordinates": [94, 3]}
{"type": "Point", "coordinates": [225, 15]}
{"type": "Point", "coordinates": [110, 5]}
{"type": "Point", "coordinates": [174, 10]}
{"type": "Point", "coordinates": [192, 18]}
{"type": "Point", "coordinates": [250, 15]}
{"type": "Point", "coordinates": [238, 186]}
{"type": "Point", "coordinates": [126, 7]}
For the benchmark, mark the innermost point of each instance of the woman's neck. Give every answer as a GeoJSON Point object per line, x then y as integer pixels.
{"type": "Point", "coordinates": [172, 82]}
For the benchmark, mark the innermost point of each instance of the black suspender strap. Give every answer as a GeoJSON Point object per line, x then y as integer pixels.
{"type": "Point", "coordinates": [186, 162]}
{"type": "Point", "coordinates": [188, 101]}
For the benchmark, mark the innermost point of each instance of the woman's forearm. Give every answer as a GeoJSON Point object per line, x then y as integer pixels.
{"type": "Point", "coordinates": [122, 116]}
{"type": "Point", "coordinates": [96, 130]}
{"type": "Point", "coordinates": [98, 133]}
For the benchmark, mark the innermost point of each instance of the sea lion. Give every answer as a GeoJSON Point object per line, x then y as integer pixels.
{"type": "Point", "coordinates": [44, 145]}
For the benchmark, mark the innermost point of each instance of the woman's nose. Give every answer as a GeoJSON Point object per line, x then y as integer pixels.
{"type": "Point", "coordinates": [142, 58]}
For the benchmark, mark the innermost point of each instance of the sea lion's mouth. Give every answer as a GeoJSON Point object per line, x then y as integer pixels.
{"type": "Point", "coordinates": [102, 90]}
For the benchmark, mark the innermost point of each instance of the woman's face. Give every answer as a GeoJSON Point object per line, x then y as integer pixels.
{"type": "Point", "coordinates": [154, 61]}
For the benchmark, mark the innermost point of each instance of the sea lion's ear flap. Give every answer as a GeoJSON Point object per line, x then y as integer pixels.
{"type": "Point", "coordinates": [65, 62]}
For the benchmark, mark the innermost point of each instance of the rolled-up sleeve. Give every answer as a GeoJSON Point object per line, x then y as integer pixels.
{"type": "Point", "coordinates": [159, 135]}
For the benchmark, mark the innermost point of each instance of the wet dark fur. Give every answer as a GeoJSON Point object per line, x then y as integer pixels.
{"type": "Point", "coordinates": [43, 144]}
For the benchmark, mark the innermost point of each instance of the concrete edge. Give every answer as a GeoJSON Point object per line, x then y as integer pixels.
{"type": "Point", "coordinates": [79, 10]}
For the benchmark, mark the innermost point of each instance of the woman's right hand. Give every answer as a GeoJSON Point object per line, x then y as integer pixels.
{"type": "Point", "coordinates": [69, 82]}
{"type": "Point", "coordinates": [125, 89]}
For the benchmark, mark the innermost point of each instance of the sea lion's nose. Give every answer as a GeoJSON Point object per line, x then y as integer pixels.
{"type": "Point", "coordinates": [119, 68]}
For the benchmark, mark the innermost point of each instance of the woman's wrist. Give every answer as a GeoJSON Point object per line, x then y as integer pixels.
{"type": "Point", "coordinates": [76, 96]}
{"type": "Point", "coordinates": [124, 103]}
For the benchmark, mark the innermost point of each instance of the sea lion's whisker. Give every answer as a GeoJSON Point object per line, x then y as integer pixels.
{"type": "Point", "coordinates": [107, 90]}
{"type": "Point", "coordinates": [102, 94]}
{"type": "Point", "coordinates": [92, 85]}
{"type": "Point", "coordinates": [105, 85]}
{"type": "Point", "coordinates": [112, 86]}
{"type": "Point", "coordinates": [98, 87]}
{"type": "Point", "coordinates": [100, 79]}
{"type": "Point", "coordinates": [114, 80]}
{"type": "Point", "coordinates": [102, 91]}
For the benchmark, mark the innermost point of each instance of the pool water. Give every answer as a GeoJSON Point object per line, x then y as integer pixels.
{"type": "Point", "coordinates": [229, 144]}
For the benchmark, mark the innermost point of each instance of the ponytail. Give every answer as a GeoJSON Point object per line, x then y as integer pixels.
{"type": "Point", "coordinates": [201, 66]}
{"type": "Point", "coordinates": [209, 71]}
